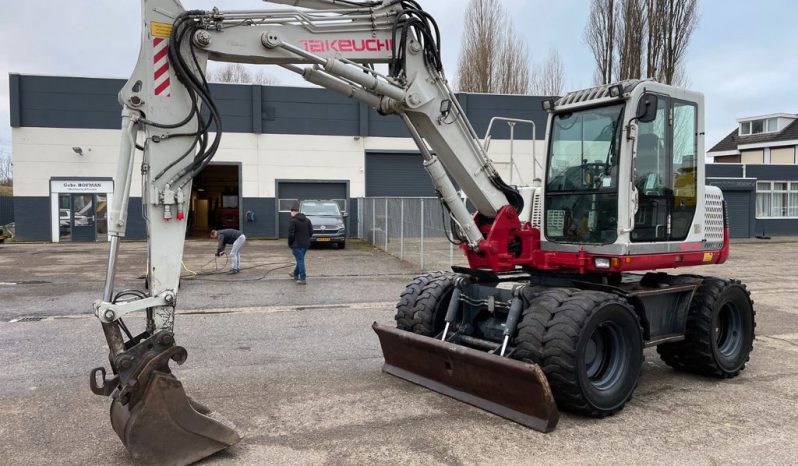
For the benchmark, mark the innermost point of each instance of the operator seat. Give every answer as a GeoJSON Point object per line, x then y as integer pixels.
{"type": "Point", "coordinates": [651, 218]}
{"type": "Point", "coordinates": [648, 155]}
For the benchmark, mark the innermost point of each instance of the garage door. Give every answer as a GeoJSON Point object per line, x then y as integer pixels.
{"type": "Point", "coordinates": [291, 192]}
{"type": "Point", "coordinates": [396, 175]}
{"type": "Point", "coordinates": [738, 204]}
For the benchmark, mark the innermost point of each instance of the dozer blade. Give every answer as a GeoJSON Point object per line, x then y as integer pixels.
{"type": "Point", "coordinates": [512, 389]}
{"type": "Point", "coordinates": [166, 427]}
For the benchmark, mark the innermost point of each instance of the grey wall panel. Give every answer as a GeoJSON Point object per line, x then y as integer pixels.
{"type": "Point", "coordinates": [731, 184]}
{"type": "Point", "coordinates": [32, 218]}
{"type": "Point", "coordinates": [387, 126]}
{"type": "Point", "coordinates": [64, 102]}
{"type": "Point", "coordinates": [136, 227]}
{"type": "Point", "coordinates": [738, 204]}
{"type": "Point", "coordinates": [14, 97]}
{"type": "Point", "coordinates": [396, 174]}
{"type": "Point", "coordinates": [308, 111]}
{"type": "Point", "coordinates": [352, 219]}
{"type": "Point", "coordinates": [772, 172]}
{"type": "Point", "coordinates": [60, 102]}
{"type": "Point", "coordinates": [264, 224]}
{"type": "Point", "coordinates": [483, 107]}
{"type": "Point", "coordinates": [306, 190]}
{"type": "Point", "coordinates": [6, 209]}
{"type": "Point", "coordinates": [723, 170]}
{"type": "Point", "coordinates": [776, 227]}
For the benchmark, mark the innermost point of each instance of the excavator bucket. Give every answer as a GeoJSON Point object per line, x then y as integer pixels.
{"type": "Point", "coordinates": [512, 389]}
{"type": "Point", "coordinates": [165, 426]}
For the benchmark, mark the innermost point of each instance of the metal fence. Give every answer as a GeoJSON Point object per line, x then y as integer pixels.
{"type": "Point", "coordinates": [410, 228]}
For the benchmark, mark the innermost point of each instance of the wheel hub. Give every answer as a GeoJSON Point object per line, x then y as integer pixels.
{"type": "Point", "coordinates": [605, 356]}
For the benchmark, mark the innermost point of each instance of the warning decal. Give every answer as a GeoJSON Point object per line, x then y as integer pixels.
{"type": "Point", "coordinates": [160, 29]}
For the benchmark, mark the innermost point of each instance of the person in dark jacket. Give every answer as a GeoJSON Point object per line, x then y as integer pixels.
{"type": "Point", "coordinates": [299, 232]}
{"type": "Point", "coordinates": [234, 237]}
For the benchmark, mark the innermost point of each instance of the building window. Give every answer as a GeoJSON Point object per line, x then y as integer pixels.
{"type": "Point", "coordinates": [769, 125]}
{"type": "Point", "coordinates": [776, 199]}
{"type": "Point", "coordinates": [286, 204]}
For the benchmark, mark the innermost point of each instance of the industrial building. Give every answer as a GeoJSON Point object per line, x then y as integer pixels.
{"type": "Point", "coordinates": [280, 145]}
{"type": "Point", "coordinates": [285, 144]}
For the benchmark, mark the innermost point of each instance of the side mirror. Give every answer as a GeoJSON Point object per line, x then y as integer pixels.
{"type": "Point", "coordinates": [647, 108]}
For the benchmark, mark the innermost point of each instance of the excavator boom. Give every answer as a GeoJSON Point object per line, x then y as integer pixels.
{"type": "Point", "coordinates": [333, 44]}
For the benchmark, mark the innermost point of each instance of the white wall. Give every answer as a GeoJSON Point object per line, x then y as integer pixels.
{"type": "Point", "coordinates": [42, 153]}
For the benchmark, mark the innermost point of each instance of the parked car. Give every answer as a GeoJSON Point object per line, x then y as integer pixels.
{"type": "Point", "coordinates": [328, 222]}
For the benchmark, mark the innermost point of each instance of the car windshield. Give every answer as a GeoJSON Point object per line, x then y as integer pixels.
{"type": "Point", "coordinates": [584, 150]}
{"type": "Point", "coordinates": [320, 208]}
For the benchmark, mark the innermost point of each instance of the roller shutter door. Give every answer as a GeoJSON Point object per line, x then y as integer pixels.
{"type": "Point", "coordinates": [290, 192]}
{"type": "Point", "coordinates": [396, 175]}
{"type": "Point", "coordinates": [738, 204]}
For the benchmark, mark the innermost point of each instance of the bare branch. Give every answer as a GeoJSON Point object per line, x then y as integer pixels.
{"type": "Point", "coordinates": [492, 59]}
{"type": "Point", "coordinates": [549, 79]}
{"type": "Point", "coordinates": [237, 73]}
{"type": "Point", "coordinates": [600, 37]}
{"type": "Point", "coordinates": [6, 172]}
{"type": "Point", "coordinates": [630, 32]}
{"type": "Point", "coordinates": [680, 21]}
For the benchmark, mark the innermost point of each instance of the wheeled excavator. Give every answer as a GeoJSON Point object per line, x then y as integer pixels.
{"type": "Point", "coordinates": [564, 287]}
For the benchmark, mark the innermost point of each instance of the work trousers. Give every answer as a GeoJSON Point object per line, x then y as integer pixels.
{"type": "Point", "coordinates": [235, 252]}
{"type": "Point", "coordinates": [299, 255]}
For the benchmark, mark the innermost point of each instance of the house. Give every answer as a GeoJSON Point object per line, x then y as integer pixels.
{"type": "Point", "coordinates": [756, 166]}
{"type": "Point", "coordinates": [768, 139]}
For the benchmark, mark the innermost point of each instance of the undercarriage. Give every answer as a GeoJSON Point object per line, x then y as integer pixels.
{"type": "Point", "coordinates": [583, 335]}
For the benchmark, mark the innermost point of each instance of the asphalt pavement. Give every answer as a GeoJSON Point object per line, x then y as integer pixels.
{"type": "Point", "coordinates": [297, 369]}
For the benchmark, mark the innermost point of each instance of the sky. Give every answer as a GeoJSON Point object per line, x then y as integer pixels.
{"type": "Point", "coordinates": [741, 56]}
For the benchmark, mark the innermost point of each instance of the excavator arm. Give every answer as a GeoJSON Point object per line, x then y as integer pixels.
{"type": "Point", "coordinates": [331, 43]}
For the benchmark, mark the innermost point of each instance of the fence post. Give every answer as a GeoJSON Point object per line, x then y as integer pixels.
{"type": "Point", "coordinates": [422, 233]}
{"type": "Point", "coordinates": [373, 221]}
{"type": "Point", "coordinates": [359, 218]}
{"type": "Point", "coordinates": [386, 224]}
{"type": "Point", "coordinates": [402, 229]}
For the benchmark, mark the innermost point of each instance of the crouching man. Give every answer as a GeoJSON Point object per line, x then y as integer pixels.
{"type": "Point", "coordinates": [234, 237]}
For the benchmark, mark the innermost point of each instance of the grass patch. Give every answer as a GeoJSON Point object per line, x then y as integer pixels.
{"type": "Point", "coordinates": [6, 190]}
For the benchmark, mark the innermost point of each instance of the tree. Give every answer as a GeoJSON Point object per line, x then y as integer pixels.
{"type": "Point", "coordinates": [5, 168]}
{"type": "Point", "coordinates": [681, 19]}
{"type": "Point", "coordinates": [626, 34]}
{"type": "Point", "coordinates": [549, 79]}
{"type": "Point", "coordinates": [237, 73]}
{"type": "Point", "coordinates": [493, 59]}
{"type": "Point", "coordinates": [600, 37]}
{"type": "Point", "coordinates": [629, 37]}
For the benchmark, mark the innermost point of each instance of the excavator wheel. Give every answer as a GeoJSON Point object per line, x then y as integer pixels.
{"type": "Point", "coordinates": [591, 348]}
{"type": "Point", "coordinates": [541, 305]}
{"type": "Point", "coordinates": [422, 306]}
{"type": "Point", "coordinates": [720, 331]}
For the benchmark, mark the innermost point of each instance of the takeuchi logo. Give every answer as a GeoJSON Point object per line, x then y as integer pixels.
{"type": "Point", "coordinates": [347, 45]}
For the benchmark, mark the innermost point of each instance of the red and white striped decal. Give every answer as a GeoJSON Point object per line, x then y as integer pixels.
{"type": "Point", "coordinates": [161, 66]}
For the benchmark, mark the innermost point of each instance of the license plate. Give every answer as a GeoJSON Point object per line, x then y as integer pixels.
{"type": "Point", "coordinates": [322, 239]}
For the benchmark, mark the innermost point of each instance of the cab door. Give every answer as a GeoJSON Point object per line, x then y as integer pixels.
{"type": "Point", "coordinates": [665, 172]}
